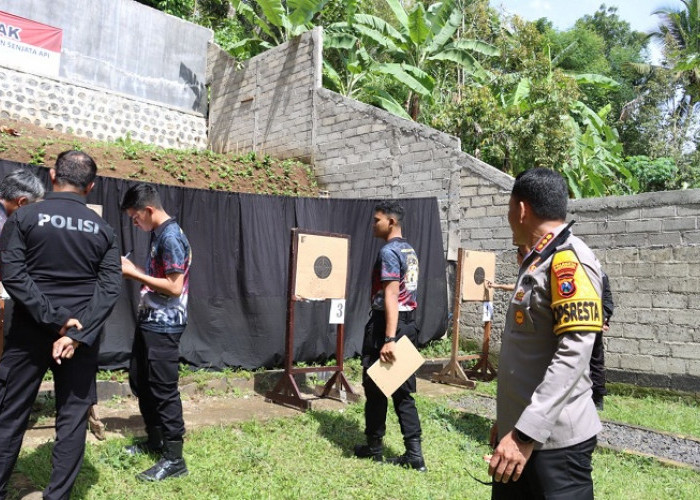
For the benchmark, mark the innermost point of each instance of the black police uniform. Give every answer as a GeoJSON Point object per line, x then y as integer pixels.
{"type": "Point", "coordinates": [59, 260]}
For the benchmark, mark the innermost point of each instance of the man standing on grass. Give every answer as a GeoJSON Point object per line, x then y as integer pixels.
{"type": "Point", "coordinates": [59, 262]}
{"type": "Point", "coordinates": [546, 422]}
{"type": "Point", "coordinates": [162, 317]}
{"type": "Point", "coordinates": [394, 290]}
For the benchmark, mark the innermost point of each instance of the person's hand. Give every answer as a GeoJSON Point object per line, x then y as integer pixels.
{"type": "Point", "coordinates": [386, 354]}
{"type": "Point", "coordinates": [64, 348]}
{"type": "Point", "coordinates": [129, 269]}
{"type": "Point", "coordinates": [71, 323]}
{"type": "Point", "coordinates": [488, 284]}
{"type": "Point", "coordinates": [606, 327]}
{"type": "Point", "coordinates": [509, 458]}
{"type": "Point", "coordinates": [493, 435]}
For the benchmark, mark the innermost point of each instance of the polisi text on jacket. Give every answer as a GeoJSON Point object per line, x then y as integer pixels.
{"type": "Point", "coordinates": [68, 223]}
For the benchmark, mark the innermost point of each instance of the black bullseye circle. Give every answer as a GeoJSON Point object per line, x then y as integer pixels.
{"type": "Point", "coordinates": [323, 267]}
{"type": "Point", "coordinates": [479, 275]}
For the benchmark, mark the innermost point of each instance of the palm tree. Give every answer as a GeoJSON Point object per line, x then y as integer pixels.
{"type": "Point", "coordinates": [679, 31]}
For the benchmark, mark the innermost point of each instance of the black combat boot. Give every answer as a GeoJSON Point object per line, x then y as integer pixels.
{"type": "Point", "coordinates": [373, 449]}
{"type": "Point", "coordinates": [152, 444]}
{"type": "Point", "coordinates": [170, 465]}
{"type": "Point", "coordinates": [413, 458]}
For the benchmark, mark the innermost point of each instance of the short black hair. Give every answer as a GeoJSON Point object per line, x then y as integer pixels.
{"type": "Point", "coordinates": [391, 208]}
{"type": "Point", "coordinates": [75, 168]}
{"type": "Point", "coordinates": [141, 196]}
{"type": "Point", "coordinates": [544, 190]}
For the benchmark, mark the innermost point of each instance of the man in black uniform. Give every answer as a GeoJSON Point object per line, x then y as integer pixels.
{"type": "Point", "coordinates": [394, 292]}
{"type": "Point", "coordinates": [60, 264]}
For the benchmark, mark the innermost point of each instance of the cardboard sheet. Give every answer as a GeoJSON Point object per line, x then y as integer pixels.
{"type": "Point", "coordinates": [389, 376]}
{"type": "Point", "coordinates": [477, 268]}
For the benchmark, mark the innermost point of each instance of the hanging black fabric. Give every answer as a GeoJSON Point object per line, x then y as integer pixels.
{"type": "Point", "coordinates": [238, 283]}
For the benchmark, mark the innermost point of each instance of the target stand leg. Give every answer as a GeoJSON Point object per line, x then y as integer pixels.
{"type": "Point", "coordinates": [286, 392]}
{"type": "Point", "coordinates": [338, 388]}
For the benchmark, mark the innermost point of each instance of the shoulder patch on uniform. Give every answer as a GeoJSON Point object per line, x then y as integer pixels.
{"type": "Point", "coordinates": [575, 302]}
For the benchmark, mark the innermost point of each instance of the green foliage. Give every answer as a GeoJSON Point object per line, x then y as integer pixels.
{"type": "Point", "coordinates": [595, 167]}
{"type": "Point", "coordinates": [679, 31]}
{"type": "Point", "coordinates": [412, 53]}
{"type": "Point", "coordinates": [653, 174]}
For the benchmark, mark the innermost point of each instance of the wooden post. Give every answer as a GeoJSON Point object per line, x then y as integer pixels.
{"type": "Point", "coordinates": [452, 373]}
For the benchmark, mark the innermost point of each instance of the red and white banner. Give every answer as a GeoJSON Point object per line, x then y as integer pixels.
{"type": "Point", "coordinates": [29, 46]}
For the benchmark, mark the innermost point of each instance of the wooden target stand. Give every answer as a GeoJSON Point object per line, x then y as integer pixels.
{"type": "Point", "coordinates": [325, 283]}
{"type": "Point", "coordinates": [453, 373]}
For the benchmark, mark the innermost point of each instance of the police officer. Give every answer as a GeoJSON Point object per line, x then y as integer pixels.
{"type": "Point", "coordinates": [18, 188]}
{"type": "Point", "coordinates": [546, 421]}
{"type": "Point", "coordinates": [60, 264]}
{"type": "Point", "coordinates": [394, 290]}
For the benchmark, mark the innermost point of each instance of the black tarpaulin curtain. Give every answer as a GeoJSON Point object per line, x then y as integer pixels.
{"type": "Point", "coordinates": [238, 280]}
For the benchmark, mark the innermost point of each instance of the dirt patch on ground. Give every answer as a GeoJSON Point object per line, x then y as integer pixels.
{"type": "Point", "coordinates": [127, 159]}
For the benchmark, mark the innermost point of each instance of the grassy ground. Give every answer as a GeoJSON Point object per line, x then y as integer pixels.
{"type": "Point", "coordinates": [310, 456]}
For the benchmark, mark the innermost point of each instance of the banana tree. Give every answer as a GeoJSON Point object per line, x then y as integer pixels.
{"type": "Point", "coordinates": [423, 39]}
{"type": "Point", "coordinates": [596, 165]}
{"type": "Point", "coordinates": [273, 22]}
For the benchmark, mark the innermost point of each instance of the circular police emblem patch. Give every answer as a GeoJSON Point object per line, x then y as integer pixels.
{"type": "Point", "coordinates": [567, 288]}
{"type": "Point", "coordinates": [323, 267]}
{"type": "Point", "coordinates": [479, 275]}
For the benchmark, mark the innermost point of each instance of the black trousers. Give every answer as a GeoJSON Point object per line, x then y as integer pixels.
{"type": "Point", "coordinates": [26, 358]}
{"type": "Point", "coordinates": [376, 404]}
{"type": "Point", "coordinates": [597, 367]}
{"type": "Point", "coordinates": [563, 474]}
{"type": "Point", "coordinates": [153, 377]}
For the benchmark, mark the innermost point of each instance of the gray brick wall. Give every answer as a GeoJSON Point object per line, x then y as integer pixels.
{"type": "Point", "coordinates": [648, 245]}
{"type": "Point", "coordinates": [96, 113]}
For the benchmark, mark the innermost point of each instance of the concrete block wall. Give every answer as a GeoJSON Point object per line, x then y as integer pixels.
{"type": "Point", "coordinates": [96, 113]}
{"type": "Point", "coordinates": [649, 244]}
{"type": "Point", "coordinates": [265, 104]}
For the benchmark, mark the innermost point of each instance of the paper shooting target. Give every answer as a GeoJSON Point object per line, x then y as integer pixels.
{"type": "Point", "coordinates": [322, 266]}
{"type": "Point", "coordinates": [477, 268]}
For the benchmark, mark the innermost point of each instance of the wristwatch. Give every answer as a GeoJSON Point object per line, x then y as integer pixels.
{"type": "Point", "coordinates": [522, 437]}
{"type": "Point", "coordinates": [389, 339]}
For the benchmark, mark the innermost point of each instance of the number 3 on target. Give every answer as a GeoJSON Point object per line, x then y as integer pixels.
{"type": "Point", "coordinates": [337, 316]}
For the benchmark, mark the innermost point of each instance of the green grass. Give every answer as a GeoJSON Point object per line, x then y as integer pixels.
{"type": "Point", "coordinates": [310, 456]}
{"type": "Point", "coordinates": [656, 409]}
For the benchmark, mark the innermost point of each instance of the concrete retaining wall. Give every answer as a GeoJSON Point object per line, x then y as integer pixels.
{"type": "Point", "coordinates": [93, 112]}
{"type": "Point", "coordinates": [126, 47]}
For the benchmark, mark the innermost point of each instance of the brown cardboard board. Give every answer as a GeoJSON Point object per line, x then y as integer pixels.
{"type": "Point", "coordinates": [95, 208]}
{"type": "Point", "coordinates": [477, 268]}
{"type": "Point", "coordinates": [322, 266]}
{"type": "Point", "coordinates": [389, 376]}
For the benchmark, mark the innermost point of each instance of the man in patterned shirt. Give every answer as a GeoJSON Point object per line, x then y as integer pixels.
{"type": "Point", "coordinates": [162, 317]}
{"type": "Point", "coordinates": [394, 290]}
